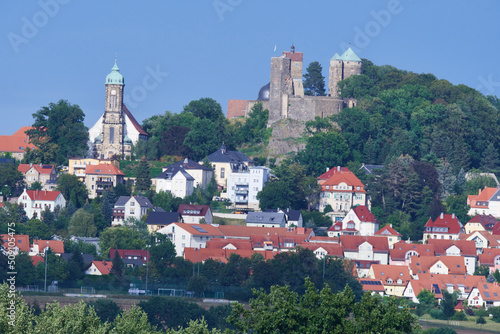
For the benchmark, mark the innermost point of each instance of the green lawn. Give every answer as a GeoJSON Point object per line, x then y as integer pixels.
{"type": "Point", "coordinates": [228, 221]}
{"type": "Point", "coordinates": [128, 167]}
{"type": "Point", "coordinates": [470, 324]}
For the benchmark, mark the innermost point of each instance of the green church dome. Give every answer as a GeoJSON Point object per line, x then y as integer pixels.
{"type": "Point", "coordinates": [115, 78]}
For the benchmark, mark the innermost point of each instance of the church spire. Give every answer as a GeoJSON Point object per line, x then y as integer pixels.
{"type": "Point", "coordinates": [115, 77]}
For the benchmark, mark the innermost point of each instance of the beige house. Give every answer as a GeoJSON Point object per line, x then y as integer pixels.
{"type": "Point", "coordinates": [225, 162]}
{"type": "Point", "coordinates": [46, 175]}
{"type": "Point", "coordinates": [77, 165]}
{"type": "Point", "coordinates": [99, 178]}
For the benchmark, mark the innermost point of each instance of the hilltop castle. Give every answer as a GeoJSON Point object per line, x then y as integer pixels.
{"type": "Point", "coordinates": [284, 95]}
{"type": "Point", "coordinates": [116, 130]}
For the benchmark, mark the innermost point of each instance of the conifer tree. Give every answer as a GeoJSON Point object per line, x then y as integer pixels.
{"type": "Point", "coordinates": [314, 83]}
{"type": "Point", "coordinates": [143, 178]}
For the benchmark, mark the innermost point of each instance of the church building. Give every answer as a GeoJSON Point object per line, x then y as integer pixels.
{"type": "Point", "coordinates": [115, 132]}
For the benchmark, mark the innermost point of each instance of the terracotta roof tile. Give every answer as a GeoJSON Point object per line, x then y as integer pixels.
{"type": "Point", "coordinates": [422, 264]}
{"type": "Point", "coordinates": [387, 230]}
{"type": "Point", "coordinates": [401, 249]}
{"type": "Point", "coordinates": [331, 249]}
{"type": "Point", "coordinates": [352, 242]}
{"type": "Point", "coordinates": [57, 246]}
{"type": "Point", "coordinates": [488, 256]}
{"type": "Point", "coordinates": [447, 221]}
{"type": "Point", "coordinates": [332, 171]}
{"type": "Point", "coordinates": [467, 247]}
{"type": "Point", "coordinates": [487, 221]}
{"type": "Point", "coordinates": [16, 143]}
{"type": "Point", "coordinates": [104, 267]}
{"type": "Point", "coordinates": [236, 108]}
{"type": "Point", "coordinates": [295, 56]}
{"type": "Point", "coordinates": [384, 272]}
{"type": "Point", "coordinates": [103, 169]}
{"type": "Point", "coordinates": [22, 241]}
{"type": "Point", "coordinates": [42, 195]}
{"type": "Point", "coordinates": [185, 208]}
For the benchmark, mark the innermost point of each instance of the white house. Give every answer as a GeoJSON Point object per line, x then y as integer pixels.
{"type": "Point", "coordinates": [359, 221]}
{"type": "Point", "coordinates": [487, 294]}
{"type": "Point", "coordinates": [99, 268]}
{"type": "Point", "coordinates": [201, 174]}
{"type": "Point", "coordinates": [35, 202]}
{"type": "Point", "coordinates": [130, 207]}
{"type": "Point", "coordinates": [192, 214]}
{"type": "Point", "coordinates": [365, 248]}
{"type": "Point", "coordinates": [178, 182]}
{"type": "Point", "coordinates": [266, 219]}
{"type": "Point", "coordinates": [190, 235]}
{"type": "Point", "coordinates": [243, 187]}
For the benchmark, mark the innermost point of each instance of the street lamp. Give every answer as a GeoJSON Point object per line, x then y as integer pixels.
{"type": "Point", "coordinates": [194, 259]}
{"type": "Point", "coordinates": [45, 251]}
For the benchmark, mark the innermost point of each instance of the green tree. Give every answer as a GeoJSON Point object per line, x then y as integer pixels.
{"type": "Point", "coordinates": [480, 321]}
{"type": "Point", "coordinates": [135, 321]}
{"type": "Point", "coordinates": [82, 224]}
{"type": "Point", "coordinates": [166, 201]}
{"type": "Point", "coordinates": [162, 253]}
{"type": "Point", "coordinates": [314, 81]}
{"type": "Point", "coordinates": [69, 184]}
{"type": "Point", "coordinates": [60, 124]}
{"type": "Point", "coordinates": [37, 229]}
{"type": "Point", "coordinates": [118, 265]}
{"type": "Point", "coordinates": [19, 321]}
{"type": "Point", "coordinates": [25, 269]}
{"type": "Point", "coordinates": [76, 265]}
{"type": "Point", "coordinates": [108, 203]}
{"type": "Point", "coordinates": [447, 304]}
{"type": "Point", "coordinates": [482, 270]}
{"type": "Point", "coordinates": [36, 186]}
{"type": "Point", "coordinates": [10, 177]}
{"type": "Point", "coordinates": [79, 318]}
{"type": "Point", "coordinates": [324, 150]}
{"type": "Point", "coordinates": [143, 180]}
{"type": "Point", "coordinates": [490, 159]}
{"type": "Point", "coordinates": [426, 302]}
{"type": "Point", "coordinates": [121, 237]}
{"type": "Point", "coordinates": [106, 309]}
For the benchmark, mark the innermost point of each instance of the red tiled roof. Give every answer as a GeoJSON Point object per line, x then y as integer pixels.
{"type": "Point", "coordinates": [295, 56]}
{"type": "Point", "coordinates": [104, 267]}
{"type": "Point", "coordinates": [402, 248]}
{"type": "Point", "coordinates": [238, 243]}
{"type": "Point", "coordinates": [385, 271]}
{"type": "Point", "coordinates": [57, 246]}
{"type": "Point", "coordinates": [364, 214]}
{"type": "Point", "coordinates": [492, 289]}
{"type": "Point", "coordinates": [387, 230]}
{"type": "Point", "coordinates": [348, 178]}
{"type": "Point", "coordinates": [445, 220]}
{"type": "Point", "coordinates": [483, 196]}
{"type": "Point", "coordinates": [36, 258]}
{"type": "Point", "coordinates": [334, 170]}
{"type": "Point", "coordinates": [136, 124]}
{"type": "Point", "coordinates": [17, 143]}
{"type": "Point", "coordinates": [331, 249]}
{"type": "Point", "coordinates": [42, 195]}
{"type": "Point", "coordinates": [211, 230]}
{"type": "Point", "coordinates": [247, 231]}
{"type": "Point", "coordinates": [202, 208]}
{"type": "Point", "coordinates": [337, 224]}
{"type": "Point", "coordinates": [103, 169]}
{"type": "Point", "coordinates": [422, 264]}
{"type": "Point", "coordinates": [467, 247]}
{"type": "Point", "coordinates": [333, 240]}
{"type": "Point", "coordinates": [492, 241]}
{"type": "Point", "coordinates": [221, 255]}
{"type": "Point", "coordinates": [496, 229]}
{"type": "Point", "coordinates": [365, 283]}
{"type": "Point", "coordinates": [41, 169]}
{"type": "Point", "coordinates": [236, 108]}
{"type": "Point", "coordinates": [124, 253]}
{"type": "Point", "coordinates": [487, 221]}
{"type": "Point", "coordinates": [430, 285]}
{"type": "Point", "coordinates": [352, 242]}
{"type": "Point", "coordinates": [488, 256]}
{"type": "Point", "coordinates": [22, 241]}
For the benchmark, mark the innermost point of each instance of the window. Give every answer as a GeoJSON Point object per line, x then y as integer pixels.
{"type": "Point", "coordinates": [222, 173]}
{"type": "Point", "coordinates": [132, 203]}
{"type": "Point", "coordinates": [111, 135]}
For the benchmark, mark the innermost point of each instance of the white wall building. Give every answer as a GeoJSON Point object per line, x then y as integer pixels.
{"type": "Point", "coordinates": [242, 188]}
{"type": "Point", "coordinates": [36, 201]}
{"type": "Point", "coordinates": [179, 183]}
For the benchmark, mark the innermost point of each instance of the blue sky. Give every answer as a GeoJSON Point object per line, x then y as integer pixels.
{"type": "Point", "coordinates": [173, 52]}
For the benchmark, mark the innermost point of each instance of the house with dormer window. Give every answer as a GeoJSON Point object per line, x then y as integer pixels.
{"type": "Point", "coordinates": [394, 278]}
{"type": "Point", "coordinates": [102, 177]}
{"type": "Point", "coordinates": [358, 221]}
{"type": "Point", "coordinates": [391, 234]}
{"type": "Point", "coordinates": [446, 226]}
{"type": "Point", "coordinates": [34, 202]}
{"type": "Point", "coordinates": [192, 214]}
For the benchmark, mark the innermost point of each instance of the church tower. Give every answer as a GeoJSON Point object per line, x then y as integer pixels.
{"type": "Point", "coordinates": [113, 124]}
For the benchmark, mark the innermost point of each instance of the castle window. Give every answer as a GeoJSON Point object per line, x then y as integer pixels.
{"type": "Point", "coordinates": [111, 135]}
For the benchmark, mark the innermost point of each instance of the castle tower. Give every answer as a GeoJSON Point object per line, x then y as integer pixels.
{"type": "Point", "coordinates": [113, 123]}
{"type": "Point", "coordinates": [280, 88]}
{"type": "Point", "coordinates": [342, 67]}
{"type": "Point", "coordinates": [297, 62]}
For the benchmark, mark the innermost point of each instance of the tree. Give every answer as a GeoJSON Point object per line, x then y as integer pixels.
{"type": "Point", "coordinates": [36, 229]}
{"type": "Point", "coordinates": [143, 181]}
{"type": "Point", "coordinates": [68, 185]}
{"type": "Point", "coordinates": [447, 304]}
{"type": "Point", "coordinates": [108, 203]}
{"type": "Point", "coordinates": [22, 319]}
{"type": "Point", "coordinates": [166, 201]}
{"type": "Point", "coordinates": [60, 124]}
{"type": "Point", "coordinates": [11, 180]}
{"type": "Point", "coordinates": [121, 237]}
{"type": "Point", "coordinates": [426, 302]}
{"type": "Point", "coordinates": [79, 318]}
{"type": "Point", "coordinates": [480, 321]}
{"type": "Point", "coordinates": [135, 321]}
{"type": "Point", "coordinates": [106, 309]}
{"type": "Point", "coordinates": [118, 266]}
{"type": "Point", "coordinates": [82, 224]}
{"type": "Point", "coordinates": [482, 270]}
{"type": "Point", "coordinates": [25, 269]}
{"type": "Point", "coordinates": [162, 253]}
{"type": "Point", "coordinates": [76, 265]}
{"type": "Point", "coordinates": [490, 159]}
{"type": "Point", "coordinates": [314, 83]}
{"type": "Point", "coordinates": [36, 186]}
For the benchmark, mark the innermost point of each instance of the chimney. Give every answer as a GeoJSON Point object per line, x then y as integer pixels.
{"type": "Point", "coordinates": [338, 168]}
{"type": "Point", "coordinates": [453, 215]}
{"type": "Point", "coordinates": [390, 225]}
{"type": "Point", "coordinates": [442, 215]}
{"type": "Point", "coordinates": [327, 169]}
{"type": "Point", "coordinates": [31, 165]}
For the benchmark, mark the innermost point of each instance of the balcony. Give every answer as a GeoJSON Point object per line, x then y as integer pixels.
{"type": "Point", "coordinates": [104, 184]}
{"type": "Point", "coordinates": [241, 191]}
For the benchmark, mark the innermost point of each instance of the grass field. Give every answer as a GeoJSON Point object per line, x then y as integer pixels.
{"type": "Point", "coordinates": [228, 221]}
{"type": "Point", "coordinates": [464, 327]}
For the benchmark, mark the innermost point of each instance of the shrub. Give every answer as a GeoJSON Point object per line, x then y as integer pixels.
{"type": "Point", "coordinates": [437, 314]}
{"type": "Point", "coordinates": [460, 316]}
{"type": "Point", "coordinates": [469, 311]}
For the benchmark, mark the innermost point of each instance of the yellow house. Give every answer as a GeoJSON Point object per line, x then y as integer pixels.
{"type": "Point", "coordinates": [393, 277]}
{"type": "Point", "coordinates": [76, 166]}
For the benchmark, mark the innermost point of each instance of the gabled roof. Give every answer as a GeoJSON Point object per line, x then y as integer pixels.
{"type": "Point", "coordinates": [488, 256]}
{"type": "Point", "coordinates": [221, 255]}
{"type": "Point", "coordinates": [193, 210]}
{"type": "Point", "coordinates": [136, 124]}
{"type": "Point", "coordinates": [387, 230]}
{"type": "Point", "coordinates": [247, 231]}
{"type": "Point", "coordinates": [332, 240]}
{"type": "Point", "coordinates": [265, 217]}
{"type": "Point", "coordinates": [169, 175]}
{"type": "Point", "coordinates": [331, 249]}
{"type": "Point", "coordinates": [22, 241]}
{"type": "Point", "coordinates": [489, 291]}
{"type": "Point", "coordinates": [41, 169]}
{"type": "Point", "coordinates": [121, 201]}
{"type": "Point", "coordinates": [103, 169]}
{"type": "Point", "coordinates": [364, 214]}
{"type": "Point", "coordinates": [187, 165]}
{"type": "Point", "coordinates": [237, 243]}
{"type": "Point", "coordinates": [481, 200]}
{"type": "Point", "coordinates": [343, 177]}
{"type": "Point", "coordinates": [162, 218]}
{"type": "Point", "coordinates": [422, 264]}
{"type": "Point", "coordinates": [467, 248]}
{"type": "Point", "coordinates": [57, 246]}
{"type": "Point", "coordinates": [370, 284]}
{"type": "Point", "coordinates": [236, 108]}
{"type": "Point", "coordinates": [294, 56]}
{"type": "Point", "coordinates": [332, 171]}
{"type": "Point", "coordinates": [104, 267]}
{"type": "Point", "coordinates": [352, 242]}
{"type": "Point", "coordinates": [143, 201]}
{"type": "Point", "coordinates": [384, 272]}
{"type": "Point", "coordinates": [402, 248]}
{"type": "Point", "coordinates": [87, 258]}
{"type": "Point", "coordinates": [143, 255]}
{"type": "Point", "coordinates": [225, 156]}
{"type": "Point", "coordinates": [16, 143]}
{"type": "Point", "coordinates": [492, 241]}
{"type": "Point", "coordinates": [447, 221]}
{"type": "Point", "coordinates": [370, 169]}
{"type": "Point", "coordinates": [487, 221]}
{"type": "Point", "coordinates": [42, 195]}
{"type": "Point", "coordinates": [199, 229]}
